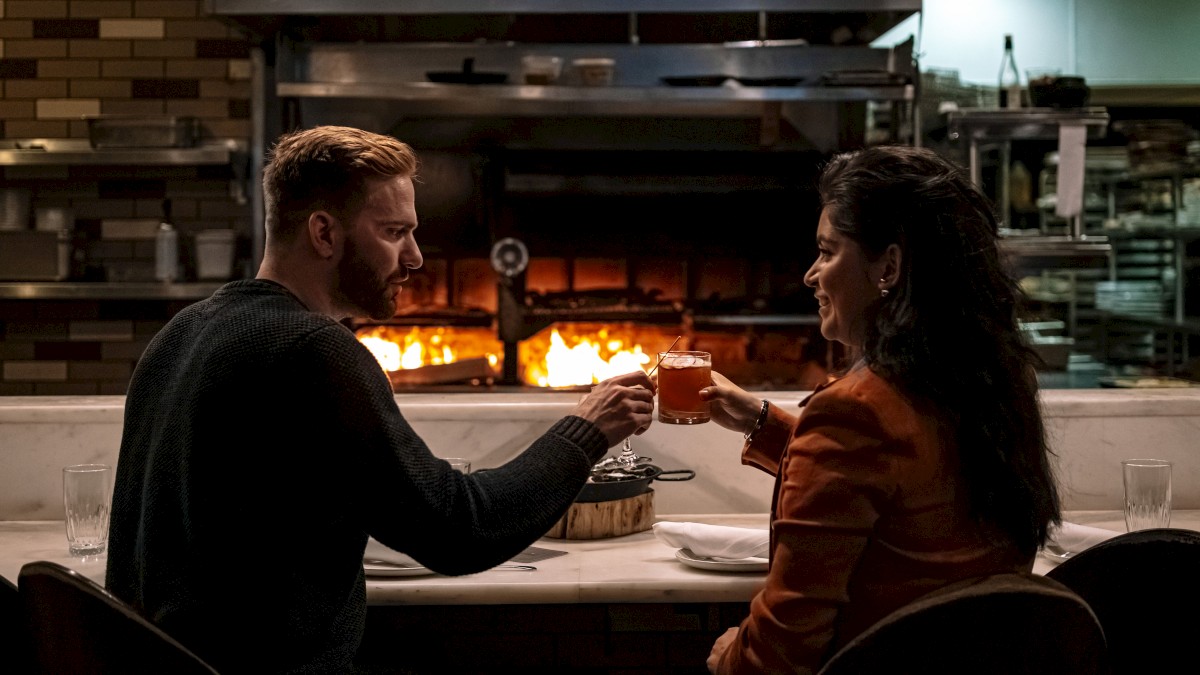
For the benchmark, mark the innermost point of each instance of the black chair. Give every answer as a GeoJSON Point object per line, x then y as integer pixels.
{"type": "Point", "coordinates": [14, 637]}
{"type": "Point", "coordinates": [1144, 586]}
{"type": "Point", "coordinates": [1006, 624]}
{"type": "Point", "coordinates": [79, 627]}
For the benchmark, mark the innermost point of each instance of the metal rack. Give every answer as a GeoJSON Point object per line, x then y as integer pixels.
{"type": "Point", "coordinates": [39, 152]}
{"type": "Point", "coordinates": [87, 290]}
{"type": "Point", "coordinates": [995, 126]}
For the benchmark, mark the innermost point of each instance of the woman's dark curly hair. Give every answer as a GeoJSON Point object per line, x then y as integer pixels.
{"type": "Point", "coordinates": [947, 334]}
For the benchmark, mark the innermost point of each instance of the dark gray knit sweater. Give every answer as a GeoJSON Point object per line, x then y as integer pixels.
{"type": "Point", "coordinates": [262, 445]}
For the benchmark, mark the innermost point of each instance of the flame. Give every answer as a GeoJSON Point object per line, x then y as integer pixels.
{"type": "Point", "coordinates": [568, 355]}
{"type": "Point", "coordinates": [421, 346]}
{"type": "Point", "coordinates": [587, 362]}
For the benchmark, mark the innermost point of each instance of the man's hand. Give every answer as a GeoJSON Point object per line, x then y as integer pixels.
{"type": "Point", "coordinates": [620, 406]}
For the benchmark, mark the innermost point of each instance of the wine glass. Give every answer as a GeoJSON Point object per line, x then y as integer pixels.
{"type": "Point", "coordinates": [627, 458]}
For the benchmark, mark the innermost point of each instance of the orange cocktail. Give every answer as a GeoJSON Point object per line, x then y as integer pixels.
{"type": "Point", "coordinates": [681, 376]}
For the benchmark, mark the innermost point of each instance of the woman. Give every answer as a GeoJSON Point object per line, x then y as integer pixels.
{"type": "Point", "coordinates": [925, 461]}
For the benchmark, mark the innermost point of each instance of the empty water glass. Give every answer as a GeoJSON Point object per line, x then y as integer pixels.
{"type": "Point", "coordinates": [1147, 493]}
{"type": "Point", "coordinates": [87, 499]}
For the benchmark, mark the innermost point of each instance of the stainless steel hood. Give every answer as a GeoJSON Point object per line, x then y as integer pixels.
{"type": "Point", "coordinates": [317, 7]}
{"type": "Point", "coordinates": [366, 63]}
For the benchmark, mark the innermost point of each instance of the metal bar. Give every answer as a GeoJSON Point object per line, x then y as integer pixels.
{"type": "Point", "coordinates": [83, 290]}
{"type": "Point", "coordinates": [46, 152]}
{"type": "Point", "coordinates": [400, 7]}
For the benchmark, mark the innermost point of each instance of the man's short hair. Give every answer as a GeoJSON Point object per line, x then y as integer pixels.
{"type": "Point", "coordinates": [327, 168]}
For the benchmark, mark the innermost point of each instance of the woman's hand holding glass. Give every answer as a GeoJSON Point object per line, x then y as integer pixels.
{"type": "Point", "coordinates": [731, 406]}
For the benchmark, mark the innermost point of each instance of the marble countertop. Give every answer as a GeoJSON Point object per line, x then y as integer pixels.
{"type": "Point", "coordinates": [632, 568]}
{"type": "Point", "coordinates": [550, 404]}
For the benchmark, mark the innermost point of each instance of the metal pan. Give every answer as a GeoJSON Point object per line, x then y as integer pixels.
{"type": "Point", "coordinates": [696, 80]}
{"type": "Point", "coordinates": [630, 487]}
{"type": "Point", "coordinates": [468, 75]}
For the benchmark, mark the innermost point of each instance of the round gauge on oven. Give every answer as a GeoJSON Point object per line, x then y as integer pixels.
{"type": "Point", "coordinates": [509, 257]}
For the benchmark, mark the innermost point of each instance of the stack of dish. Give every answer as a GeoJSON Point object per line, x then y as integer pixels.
{"type": "Point", "coordinates": [1134, 298]}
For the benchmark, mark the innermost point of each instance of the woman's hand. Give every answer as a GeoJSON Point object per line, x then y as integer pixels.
{"type": "Point", "coordinates": [731, 406]}
{"type": "Point", "coordinates": [719, 648]}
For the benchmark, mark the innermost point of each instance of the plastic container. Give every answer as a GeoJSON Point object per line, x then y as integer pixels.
{"type": "Point", "coordinates": [214, 253]}
{"type": "Point", "coordinates": [596, 72]}
{"type": "Point", "coordinates": [14, 208]}
{"type": "Point", "coordinates": [541, 68]}
{"type": "Point", "coordinates": [166, 253]}
{"type": "Point", "coordinates": [53, 219]}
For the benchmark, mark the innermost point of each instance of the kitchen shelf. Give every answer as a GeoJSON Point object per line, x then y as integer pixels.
{"type": "Point", "coordinates": [999, 124]}
{"type": "Point", "coordinates": [391, 73]}
{"type": "Point", "coordinates": [85, 290]}
{"type": "Point", "coordinates": [537, 99]}
{"type": "Point", "coordinates": [41, 152]}
{"type": "Point", "coordinates": [1094, 247]}
{"type": "Point", "coordinates": [79, 152]}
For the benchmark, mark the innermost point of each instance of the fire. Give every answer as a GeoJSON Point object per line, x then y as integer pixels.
{"type": "Point", "coordinates": [422, 346]}
{"type": "Point", "coordinates": [586, 362]}
{"type": "Point", "coordinates": [566, 355]}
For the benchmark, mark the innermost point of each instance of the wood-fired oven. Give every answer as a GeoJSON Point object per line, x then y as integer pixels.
{"type": "Point", "coordinates": [567, 223]}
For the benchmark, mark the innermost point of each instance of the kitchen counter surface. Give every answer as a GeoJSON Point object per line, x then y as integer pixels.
{"type": "Point", "coordinates": [636, 568]}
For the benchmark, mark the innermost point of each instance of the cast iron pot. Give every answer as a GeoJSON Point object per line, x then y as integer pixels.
{"type": "Point", "coordinates": [630, 487]}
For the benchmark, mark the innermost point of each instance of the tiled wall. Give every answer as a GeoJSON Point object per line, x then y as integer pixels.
{"type": "Point", "coordinates": [61, 348]}
{"type": "Point", "coordinates": [60, 62]}
{"type": "Point", "coordinates": [63, 59]}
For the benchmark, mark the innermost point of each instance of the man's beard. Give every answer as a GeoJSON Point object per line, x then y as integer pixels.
{"type": "Point", "coordinates": [361, 286]}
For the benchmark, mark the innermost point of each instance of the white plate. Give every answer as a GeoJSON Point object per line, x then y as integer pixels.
{"type": "Point", "coordinates": [408, 570]}
{"type": "Point", "coordinates": [690, 559]}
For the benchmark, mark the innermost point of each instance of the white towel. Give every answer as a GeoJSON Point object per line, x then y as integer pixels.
{"type": "Point", "coordinates": [720, 542]}
{"type": "Point", "coordinates": [377, 551]}
{"type": "Point", "coordinates": [1074, 537]}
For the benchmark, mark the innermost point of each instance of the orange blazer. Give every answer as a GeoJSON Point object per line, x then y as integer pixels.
{"type": "Point", "coordinates": [869, 512]}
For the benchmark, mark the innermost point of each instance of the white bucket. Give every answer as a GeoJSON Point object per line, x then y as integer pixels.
{"type": "Point", "coordinates": [214, 254]}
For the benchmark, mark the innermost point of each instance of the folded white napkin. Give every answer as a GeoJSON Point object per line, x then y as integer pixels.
{"type": "Point", "coordinates": [721, 542]}
{"type": "Point", "coordinates": [377, 551]}
{"type": "Point", "coordinates": [1074, 537]}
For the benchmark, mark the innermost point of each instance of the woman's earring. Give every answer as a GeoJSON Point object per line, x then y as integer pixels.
{"type": "Point", "coordinates": [883, 292]}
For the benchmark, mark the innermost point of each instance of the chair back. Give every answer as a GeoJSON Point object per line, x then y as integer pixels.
{"type": "Point", "coordinates": [1144, 586]}
{"type": "Point", "coordinates": [14, 637]}
{"type": "Point", "coordinates": [79, 627]}
{"type": "Point", "coordinates": [1004, 624]}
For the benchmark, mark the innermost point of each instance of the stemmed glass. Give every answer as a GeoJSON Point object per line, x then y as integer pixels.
{"type": "Point", "coordinates": [628, 458]}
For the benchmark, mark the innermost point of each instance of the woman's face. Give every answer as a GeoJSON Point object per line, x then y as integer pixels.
{"type": "Point", "coordinates": [846, 283]}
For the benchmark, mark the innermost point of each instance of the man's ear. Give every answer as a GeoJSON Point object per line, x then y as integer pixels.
{"type": "Point", "coordinates": [323, 233]}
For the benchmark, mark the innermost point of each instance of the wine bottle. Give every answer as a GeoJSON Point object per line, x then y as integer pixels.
{"type": "Point", "coordinates": [1010, 78]}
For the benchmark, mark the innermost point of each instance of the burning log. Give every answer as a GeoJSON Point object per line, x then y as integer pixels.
{"type": "Point", "coordinates": [445, 373]}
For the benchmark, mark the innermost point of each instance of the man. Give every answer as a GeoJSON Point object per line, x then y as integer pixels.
{"type": "Point", "coordinates": [262, 443]}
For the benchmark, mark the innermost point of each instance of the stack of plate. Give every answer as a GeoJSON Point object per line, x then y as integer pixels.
{"type": "Point", "coordinates": [1135, 298]}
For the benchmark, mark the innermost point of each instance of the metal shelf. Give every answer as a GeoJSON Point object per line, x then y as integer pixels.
{"type": "Point", "coordinates": [79, 152]}
{"type": "Point", "coordinates": [84, 290]}
{"type": "Point", "coordinates": [1023, 124]}
{"type": "Point", "coordinates": [482, 98]}
{"type": "Point", "coordinates": [1045, 246]}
